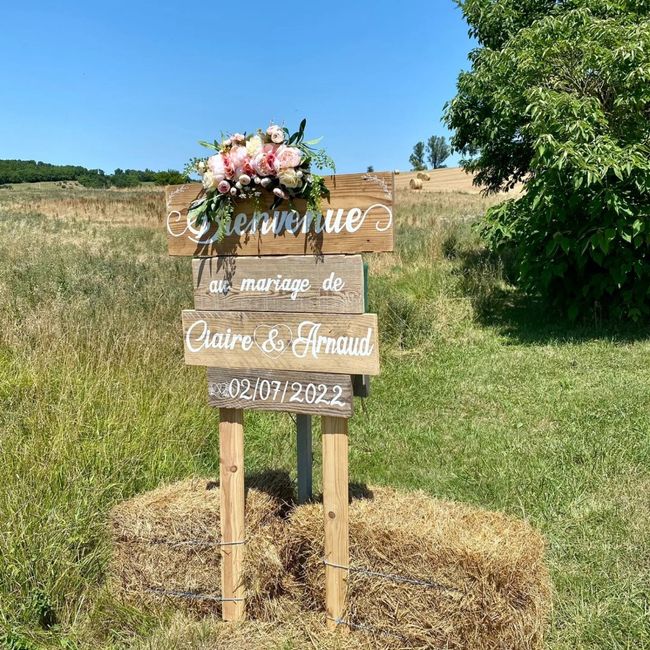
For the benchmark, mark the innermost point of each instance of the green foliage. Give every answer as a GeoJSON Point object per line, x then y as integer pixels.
{"type": "Point", "coordinates": [437, 151]}
{"type": "Point", "coordinates": [30, 171]}
{"type": "Point", "coordinates": [417, 157]}
{"type": "Point", "coordinates": [561, 101]}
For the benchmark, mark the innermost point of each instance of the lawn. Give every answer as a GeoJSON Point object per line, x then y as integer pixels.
{"type": "Point", "coordinates": [484, 397]}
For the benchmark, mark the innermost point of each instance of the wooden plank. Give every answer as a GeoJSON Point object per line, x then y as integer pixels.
{"type": "Point", "coordinates": [281, 390]}
{"type": "Point", "coordinates": [231, 486]}
{"type": "Point", "coordinates": [357, 218]}
{"type": "Point", "coordinates": [342, 344]}
{"type": "Point", "coordinates": [290, 283]}
{"type": "Point", "coordinates": [335, 510]}
{"type": "Point", "coordinates": [304, 457]}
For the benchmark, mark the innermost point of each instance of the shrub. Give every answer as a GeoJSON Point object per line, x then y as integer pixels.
{"type": "Point", "coordinates": [563, 104]}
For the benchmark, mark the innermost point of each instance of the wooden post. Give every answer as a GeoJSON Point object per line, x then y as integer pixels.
{"type": "Point", "coordinates": [304, 456]}
{"type": "Point", "coordinates": [335, 508]}
{"type": "Point", "coordinates": [231, 446]}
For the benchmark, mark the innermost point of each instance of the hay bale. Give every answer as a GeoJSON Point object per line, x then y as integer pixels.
{"type": "Point", "coordinates": [423, 176]}
{"type": "Point", "coordinates": [493, 588]}
{"type": "Point", "coordinates": [167, 540]}
{"type": "Point", "coordinates": [415, 184]}
{"type": "Point", "coordinates": [291, 628]}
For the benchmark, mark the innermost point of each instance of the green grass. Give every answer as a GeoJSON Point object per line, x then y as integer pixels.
{"type": "Point", "coordinates": [483, 398]}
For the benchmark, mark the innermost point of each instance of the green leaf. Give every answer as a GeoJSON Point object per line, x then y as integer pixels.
{"type": "Point", "coordinates": [209, 145]}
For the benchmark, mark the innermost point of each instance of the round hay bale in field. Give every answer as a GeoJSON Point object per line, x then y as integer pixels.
{"type": "Point", "coordinates": [166, 546]}
{"type": "Point", "coordinates": [423, 176]}
{"type": "Point", "coordinates": [429, 573]}
{"type": "Point", "coordinates": [415, 184]}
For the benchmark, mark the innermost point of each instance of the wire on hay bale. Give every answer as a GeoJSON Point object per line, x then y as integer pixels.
{"type": "Point", "coordinates": [166, 546]}
{"type": "Point", "coordinates": [454, 576]}
{"type": "Point", "coordinates": [415, 184]}
{"type": "Point", "coordinates": [423, 176]}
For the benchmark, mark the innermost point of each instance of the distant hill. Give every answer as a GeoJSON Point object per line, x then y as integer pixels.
{"type": "Point", "coordinates": [31, 171]}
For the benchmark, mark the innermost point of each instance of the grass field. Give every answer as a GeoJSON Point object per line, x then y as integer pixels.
{"type": "Point", "coordinates": [483, 397]}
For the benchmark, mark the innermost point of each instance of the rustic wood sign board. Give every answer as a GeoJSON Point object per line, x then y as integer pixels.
{"type": "Point", "coordinates": [281, 390]}
{"type": "Point", "coordinates": [358, 218]}
{"type": "Point", "coordinates": [343, 344]}
{"type": "Point", "coordinates": [333, 284]}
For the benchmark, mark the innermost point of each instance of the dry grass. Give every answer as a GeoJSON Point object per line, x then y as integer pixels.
{"type": "Point", "coordinates": [166, 540]}
{"type": "Point", "coordinates": [489, 587]}
{"type": "Point", "coordinates": [291, 629]}
{"type": "Point", "coordinates": [506, 408]}
{"type": "Point", "coordinates": [446, 180]}
{"type": "Point", "coordinates": [134, 207]}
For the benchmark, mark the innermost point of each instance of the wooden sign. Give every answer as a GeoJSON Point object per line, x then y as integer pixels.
{"type": "Point", "coordinates": [281, 390]}
{"type": "Point", "coordinates": [344, 344]}
{"type": "Point", "coordinates": [331, 284]}
{"type": "Point", "coordinates": [358, 218]}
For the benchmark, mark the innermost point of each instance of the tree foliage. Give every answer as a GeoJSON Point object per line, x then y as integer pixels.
{"type": "Point", "coordinates": [437, 151]}
{"type": "Point", "coordinates": [31, 171]}
{"type": "Point", "coordinates": [417, 157]}
{"type": "Point", "coordinates": [558, 97]}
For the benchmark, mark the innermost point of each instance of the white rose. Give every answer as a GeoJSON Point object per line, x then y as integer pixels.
{"type": "Point", "coordinates": [244, 179]}
{"type": "Point", "coordinates": [277, 136]}
{"type": "Point", "coordinates": [289, 178]}
{"type": "Point", "coordinates": [254, 146]}
{"type": "Point", "coordinates": [209, 181]}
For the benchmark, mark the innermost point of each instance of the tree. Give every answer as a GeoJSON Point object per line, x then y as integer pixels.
{"type": "Point", "coordinates": [417, 157]}
{"type": "Point", "coordinates": [437, 151]}
{"type": "Point", "coordinates": [557, 98]}
{"type": "Point", "coordinates": [370, 169]}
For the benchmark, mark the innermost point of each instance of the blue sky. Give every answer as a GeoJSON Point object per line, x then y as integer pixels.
{"type": "Point", "coordinates": [135, 84]}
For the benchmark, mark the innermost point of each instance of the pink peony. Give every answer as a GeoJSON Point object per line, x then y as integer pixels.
{"type": "Point", "coordinates": [228, 166]}
{"type": "Point", "coordinates": [288, 156]}
{"type": "Point", "coordinates": [266, 163]}
{"type": "Point", "coordinates": [217, 167]}
{"type": "Point", "coordinates": [224, 187]}
{"type": "Point", "coordinates": [238, 157]}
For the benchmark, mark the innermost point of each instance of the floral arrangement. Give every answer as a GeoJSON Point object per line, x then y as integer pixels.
{"type": "Point", "coordinates": [274, 163]}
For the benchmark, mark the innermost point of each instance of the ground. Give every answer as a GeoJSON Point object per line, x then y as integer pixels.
{"type": "Point", "coordinates": [484, 397]}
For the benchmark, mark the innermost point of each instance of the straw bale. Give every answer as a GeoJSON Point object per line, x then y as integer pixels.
{"type": "Point", "coordinates": [494, 589]}
{"type": "Point", "coordinates": [167, 540]}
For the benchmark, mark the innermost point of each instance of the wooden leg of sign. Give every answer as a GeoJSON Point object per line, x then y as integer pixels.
{"type": "Point", "coordinates": [231, 446]}
{"type": "Point", "coordinates": [303, 445]}
{"type": "Point", "coordinates": [335, 507]}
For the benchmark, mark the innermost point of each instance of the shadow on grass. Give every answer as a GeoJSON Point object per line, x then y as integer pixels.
{"type": "Point", "coordinates": [487, 280]}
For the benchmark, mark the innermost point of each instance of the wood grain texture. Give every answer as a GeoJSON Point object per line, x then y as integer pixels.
{"type": "Point", "coordinates": [335, 511]}
{"type": "Point", "coordinates": [332, 283]}
{"type": "Point", "coordinates": [363, 202]}
{"type": "Point", "coordinates": [281, 390]}
{"type": "Point", "coordinates": [231, 486]}
{"type": "Point", "coordinates": [341, 344]}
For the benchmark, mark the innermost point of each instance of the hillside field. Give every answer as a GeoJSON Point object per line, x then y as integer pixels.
{"type": "Point", "coordinates": [484, 397]}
